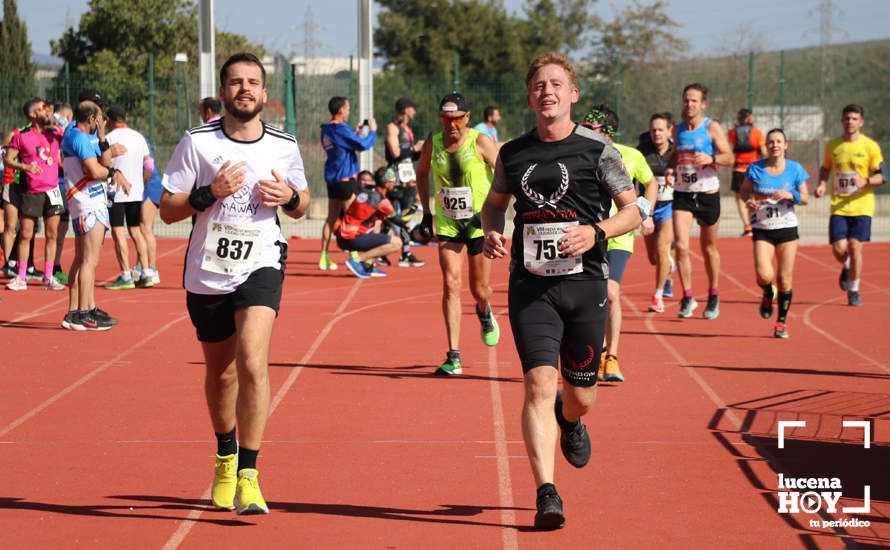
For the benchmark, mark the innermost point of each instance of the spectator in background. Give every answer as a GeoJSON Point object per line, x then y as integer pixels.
{"type": "Point", "coordinates": [85, 178]}
{"type": "Point", "coordinates": [361, 230]}
{"type": "Point", "coordinates": [35, 154]}
{"type": "Point", "coordinates": [401, 151]}
{"type": "Point", "coordinates": [491, 116]}
{"type": "Point", "coordinates": [209, 109]}
{"type": "Point", "coordinates": [341, 143]}
{"type": "Point", "coordinates": [749, 146]}
{"type": "Point", "coordinates": [151, 201]}
{"type": "Point", "coordinates": [63, 115]}
{"type": "Point", "coordinates": [137, 166]}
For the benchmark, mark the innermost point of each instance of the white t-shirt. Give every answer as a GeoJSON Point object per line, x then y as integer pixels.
{"type": "Point", "coordinates": [237, 235]}
{"type": "Point", "coordinates": [130, 163]}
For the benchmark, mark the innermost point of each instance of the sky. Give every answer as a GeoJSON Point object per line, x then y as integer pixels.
{"type": "Point", "coordinates": [281, 24]}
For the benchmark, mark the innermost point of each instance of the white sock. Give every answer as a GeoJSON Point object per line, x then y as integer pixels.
{"type": "Point", "coordinates": [659, 292]}
{"type": "Point", "coordinates": [127, 274]}
{"type": "Point", "coordinates": [854, 285]}
{"type": "Point", "coordinates": [847, 263]}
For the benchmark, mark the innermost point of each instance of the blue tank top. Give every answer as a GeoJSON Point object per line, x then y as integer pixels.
{"type": "Point", "coordinates": [690, 177]}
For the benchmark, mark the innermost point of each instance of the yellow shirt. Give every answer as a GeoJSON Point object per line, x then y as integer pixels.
{"type": "Point", "coordinates": [845, 158]}
{"type": "Point", "coordinates": [638, 170]}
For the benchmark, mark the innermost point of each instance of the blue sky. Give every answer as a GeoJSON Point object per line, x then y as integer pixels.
{"type": "Point", "coordinates": [724, 24]}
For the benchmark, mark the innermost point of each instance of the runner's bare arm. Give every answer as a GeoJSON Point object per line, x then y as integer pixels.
{"type": "Point", "coordinates": [277, 192]}
{"type": "Point", "coordinates": [391, 140]}
{"type": "Point", "coordinates": [229, 179]}
{"type": "Point", "coordinates": [724, 155]}
{"type": "Point", "coordinates": [487, 149]}
{"type": "Point", "coordinates": [423, 173]}
{"type": "Point", "coordinates": [493, 213]}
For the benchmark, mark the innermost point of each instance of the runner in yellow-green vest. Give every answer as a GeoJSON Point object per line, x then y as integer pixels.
{"type": "Point", "coordinates": [460, 161]}
{"type": "Point", "coordinates": [605, 121]}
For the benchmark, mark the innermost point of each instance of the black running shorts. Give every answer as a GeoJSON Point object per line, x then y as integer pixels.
{"type": "Point", "coordinates": [342, 190]}
{"type": "Point", "coordinates": [131, 212]}
{"type": "Point", "coordinates": [705, 207]}
{"type": "Point", "coordinates": [213, 315]}
{"type": "Point", "coordinates": [559, 321]}
{"type": "Point", "coordinates": [775, 236]}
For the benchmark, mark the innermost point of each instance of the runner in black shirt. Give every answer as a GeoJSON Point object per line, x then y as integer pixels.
{"type": "Point", "coordinates": [563, 177]}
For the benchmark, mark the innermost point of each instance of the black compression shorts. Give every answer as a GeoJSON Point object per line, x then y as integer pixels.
{"type": "Point", "coordinates": [556, 320]}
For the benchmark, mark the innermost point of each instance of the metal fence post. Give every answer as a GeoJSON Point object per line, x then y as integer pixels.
{"type": "Point", "coordinates": [290, 116]}
{"type": "Point", "coordinates": [151, 100]}
{"type": "Point", "coordinates": [751, 81]}
{"type": "Point", "coordinates": [67, 83]}
{"type": "Point", "coordinates": [781, 88]}
{"type": "Point", "coordinates": [455, 82]}
{"type": "Point", "coordinates": [618, 89]}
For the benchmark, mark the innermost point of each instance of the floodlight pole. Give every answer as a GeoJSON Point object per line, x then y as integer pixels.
{"type": "Point", "coordinates": [206, 49]}
{"type": "Point", "coordinates": [365, 78]}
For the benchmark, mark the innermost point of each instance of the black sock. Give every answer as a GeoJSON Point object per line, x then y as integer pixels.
{"type": "Point", "coordinates": [226, 444]}
{"type": "Point", "coordinates": [784, 305]}
{"type": "Point", "coordinates": [563, 423]}
{"type": "Point", "coordinates": [483, 314]}
{"type": "Point", "coordinates": [247, 458]}
{"type": "Point", "coordinates": [767, 290]}
{"type": "Point", "coordinates": [546, 489]}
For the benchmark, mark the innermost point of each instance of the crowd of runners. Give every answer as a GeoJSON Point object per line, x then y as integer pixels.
{"type": "Point", "coordinates": [578, 199]}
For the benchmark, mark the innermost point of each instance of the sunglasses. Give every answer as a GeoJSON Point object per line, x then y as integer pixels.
{"type": "Point", "coordinates": [452, 120]}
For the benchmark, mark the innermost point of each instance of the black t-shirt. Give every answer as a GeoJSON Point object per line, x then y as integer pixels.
{"type": "Point", "coordinates": [572, 180]}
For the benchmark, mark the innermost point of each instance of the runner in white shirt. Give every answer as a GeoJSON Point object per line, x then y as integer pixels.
{"type": "Point", "coordinates": [232, 175]}
{"type": "Point", "coordinates": [136, 165]}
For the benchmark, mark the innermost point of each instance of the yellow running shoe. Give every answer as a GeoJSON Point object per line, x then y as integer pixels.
{"type": "Point", "coordinates": [224, 481]}
{"type": "Point", "coordinates": [601, 371]}
{"type": "Point", "coordinates": [613, 373]}
{"type": "Point", "coordinates": [248, 498]}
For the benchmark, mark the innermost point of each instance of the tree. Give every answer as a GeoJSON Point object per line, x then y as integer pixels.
{"type": "Point", "coordinates": [422, 36]}
{"type": "Point", "coordinates": [642, 34]}
{"type": "Point", "coordinates": [556, 26]}
{"type": "Point", "coordinates": [15, 61]}
{"type": "Point", "coordinates": [110, 47]}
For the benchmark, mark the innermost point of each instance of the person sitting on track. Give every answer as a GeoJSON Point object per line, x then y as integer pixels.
{"type": "Point", "coordinates": [360, 227]}
{"type": "Point", "coordinates": [771, 188]}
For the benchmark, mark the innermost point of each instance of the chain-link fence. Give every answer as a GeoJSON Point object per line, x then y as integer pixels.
{"type": "Point", "coordinates": [802, 91]}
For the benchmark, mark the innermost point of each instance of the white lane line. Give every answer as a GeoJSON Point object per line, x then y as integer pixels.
{"type": "Point", "coordinates": [186, 524]}
{"type": "Point", "coordinates": [86, 378]}
{"type": "Point", "coordinates": [505, 484]}
{"type": "Point", "coordinates": [812, 325]}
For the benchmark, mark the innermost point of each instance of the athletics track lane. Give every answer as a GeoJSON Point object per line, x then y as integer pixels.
{"type": "Point", "coordinates": [366, 450]}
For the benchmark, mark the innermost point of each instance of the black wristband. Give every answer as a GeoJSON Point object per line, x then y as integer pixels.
{"type": "Point", "coordinates": [427, 220]}
{"type": "Point", "coordinates": [600, 234]}
{"type": "Point", "coordinates": [293, 203]}
{"type": "Point", "coordinates": [201, 198]}
{"type": "Point", "coordinates": [103, 145]}
{"type": "Point", "coordinates": [112, 171]}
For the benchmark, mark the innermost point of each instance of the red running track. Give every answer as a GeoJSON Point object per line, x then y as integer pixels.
{"type": "Point", "coordinates": [106, 443]}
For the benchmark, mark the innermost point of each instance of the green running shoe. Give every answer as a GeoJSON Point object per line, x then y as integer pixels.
{"type": "Point", "coordinates": [489, 330]}
{"type": "Point", "coordinates": [451, 366]}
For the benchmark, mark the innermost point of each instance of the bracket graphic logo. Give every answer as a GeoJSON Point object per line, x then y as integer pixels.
{"type": "Point", "coordinates": [808, 494]}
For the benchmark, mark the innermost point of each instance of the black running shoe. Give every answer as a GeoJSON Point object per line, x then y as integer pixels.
{"type": "Point", "coordinates": [383, 260]}
{"type": "Point", "coordinates": [89, 322]}
{"type": "Point", "coordinates": [843, 280]}
{"type": "Point", "coordinates": [103, 316]}
{"type": "Point", "coordinates": [575, 442]}
{"type": "Point", "coordinates": [549, 515]}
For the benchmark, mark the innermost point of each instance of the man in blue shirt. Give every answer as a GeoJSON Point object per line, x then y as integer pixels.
{"type": "Point", "coordinates": [491, 116]}
{"type": "Point", "coordinates": [341, 143]}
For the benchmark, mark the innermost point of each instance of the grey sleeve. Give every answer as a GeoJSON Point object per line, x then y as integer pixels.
{"type": "Point", "coordinates": [612, 173]}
